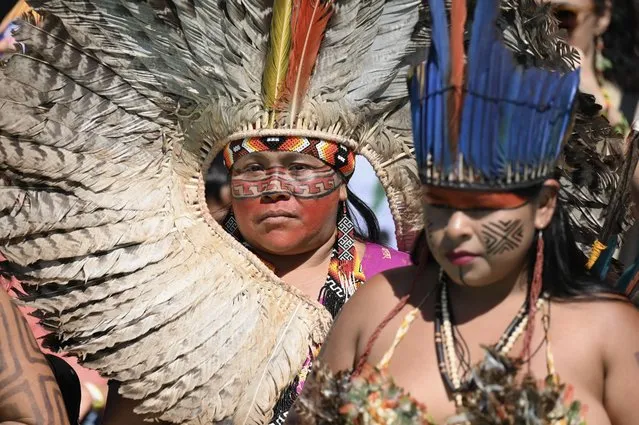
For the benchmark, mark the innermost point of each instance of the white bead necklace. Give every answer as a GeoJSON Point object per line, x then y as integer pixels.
{"type": "Point", "coordinates": [451, 362]}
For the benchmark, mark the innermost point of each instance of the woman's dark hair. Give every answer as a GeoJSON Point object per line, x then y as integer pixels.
{"type": "Point", "coordinates": [371, 232]}
{"type": "Point", "coordinates": [564, 275]}
{"type": "Point", "coordinates": [621, 42]}
{"type": "Point", "coordinates": [217, 176]}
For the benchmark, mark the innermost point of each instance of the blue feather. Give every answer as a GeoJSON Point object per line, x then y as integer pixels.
{"type": "Point", "coordinates": [528, 143]}
{"type": "Point", "coordinates": [511, 117]}
{"type": "Point", "coordinates": [440, 36]}
{"type": "Point", "coordinates": [623, 284]}
{"type": "Point", "coordinates": [435, 113]}
{"type": "Point", "coordinates": [538, 142]}
{"type": "Point", "coordinates": [552, 120]}
{"type": "Point", "coordinates": [507, 113]}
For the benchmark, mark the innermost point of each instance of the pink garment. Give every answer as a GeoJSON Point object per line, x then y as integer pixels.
{"type": "Point", "coordinates": [378, 258]}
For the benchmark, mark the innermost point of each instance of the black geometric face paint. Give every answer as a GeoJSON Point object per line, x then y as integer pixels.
{"type": "Point", "coordinates": [502, 236]}
{"type": "Point", "coordinates": [308, 184]}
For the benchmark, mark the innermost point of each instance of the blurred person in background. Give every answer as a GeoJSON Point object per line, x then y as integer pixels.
{"type": "Point", "coordinates": [606, 33]}
{"type": "Point", "coordinates": [217, 189]}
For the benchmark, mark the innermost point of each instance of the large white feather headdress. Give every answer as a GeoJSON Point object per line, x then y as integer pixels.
{"type": "Point", "coordinates": [106, 125]}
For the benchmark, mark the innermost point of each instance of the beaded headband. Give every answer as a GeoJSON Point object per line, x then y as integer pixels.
{"type": "Point", "coordinates": [339, 157]}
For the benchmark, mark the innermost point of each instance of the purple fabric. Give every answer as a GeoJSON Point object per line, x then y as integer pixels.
{"type": "Point", "coordinates": [378, 258]}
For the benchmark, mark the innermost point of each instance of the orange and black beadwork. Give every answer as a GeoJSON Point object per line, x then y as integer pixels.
{"type": "Point", "coordinates": [339, 157]}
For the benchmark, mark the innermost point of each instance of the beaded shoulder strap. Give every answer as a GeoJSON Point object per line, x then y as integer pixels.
{"type": "Point", "coordinates": [401, 332]}
{"type": "Point", "coordinates": [369, 345]}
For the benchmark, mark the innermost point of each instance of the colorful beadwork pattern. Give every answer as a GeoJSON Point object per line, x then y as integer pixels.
{"type": "Point", "coordinates": [341, 158]}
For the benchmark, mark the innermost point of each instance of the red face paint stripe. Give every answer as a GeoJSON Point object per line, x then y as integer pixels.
{"type": "Point", "coordinates": [469, 199]}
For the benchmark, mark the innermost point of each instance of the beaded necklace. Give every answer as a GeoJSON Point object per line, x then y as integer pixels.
{"type": "Point", "coordinates": [447, 359]}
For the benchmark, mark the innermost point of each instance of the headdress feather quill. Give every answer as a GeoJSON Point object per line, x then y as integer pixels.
{"type": "Point", "coordinates": [458, 19]}
{"type": "Point", "coordinates": [277, 59]}
{"type": "Point", "coordinates": [605, 244]}
{"type": "Point", "coordinates": [310, 18]}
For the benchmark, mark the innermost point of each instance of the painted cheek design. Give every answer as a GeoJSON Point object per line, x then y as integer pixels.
{"type": "Point", "coordinates": [271, 181]}
{"type": "Point", "coordinates": [502, 236]}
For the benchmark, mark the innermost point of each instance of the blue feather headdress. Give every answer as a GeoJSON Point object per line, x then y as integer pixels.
{"type": "Point", "coordinates": [494, 125]}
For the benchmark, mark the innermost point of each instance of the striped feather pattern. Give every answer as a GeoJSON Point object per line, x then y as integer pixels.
{"type": "Point", "coordinates": [102, 218]}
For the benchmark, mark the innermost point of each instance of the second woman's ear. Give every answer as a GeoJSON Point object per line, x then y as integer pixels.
{"type": "Point", "coordinates": [603, 20]}
{"type": "Point", "coordinates": [547, 203]}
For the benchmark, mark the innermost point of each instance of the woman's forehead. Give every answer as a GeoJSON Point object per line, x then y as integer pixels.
{"type": "Point", "coordinates": [278, 157]}
{"type": "Point", "coordinates": [472, 199]}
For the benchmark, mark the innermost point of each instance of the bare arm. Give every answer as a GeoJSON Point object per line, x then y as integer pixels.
{"type": "Point", "coordinates": [119, 410]}
{"type": "Point", "coordinates": [340, 350]}
{"type": "Point", "coordinates": [29, 394]}
{"type": "Point", "coordinates": [621, 361]}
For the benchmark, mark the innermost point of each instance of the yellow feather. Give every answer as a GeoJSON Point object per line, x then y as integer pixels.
{"type": "Point", "coordinates": [278, 54]}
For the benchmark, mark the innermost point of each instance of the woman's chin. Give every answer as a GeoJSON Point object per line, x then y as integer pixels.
{"type": "Point", "coordinates": [285, 244]}
{"type": "Point", "coordinates": [469, 275]}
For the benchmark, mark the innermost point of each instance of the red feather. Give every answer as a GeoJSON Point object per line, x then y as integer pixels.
{"type": "Point", "coordinates": [458, 15]}
{"type": "Point", "coordinates": [310, 18]}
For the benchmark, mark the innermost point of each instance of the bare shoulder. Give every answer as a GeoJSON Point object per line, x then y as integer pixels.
{"type": "Point", "coordinates": [384, 289]}
{"type": "Point", "coordinates": [602, 311]}
{"type": "Point", "coordinates": [610, 320]}
{"type": "Point", "coordinates": [381, 294]}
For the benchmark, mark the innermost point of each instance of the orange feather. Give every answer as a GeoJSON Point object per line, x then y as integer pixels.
{"type": "Point", "coordinates": [310, 18]}
{"type": "Point", "coordinates": [458, 15]}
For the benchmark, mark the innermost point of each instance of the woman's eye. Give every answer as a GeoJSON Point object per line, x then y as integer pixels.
{"type": "Point", "coordinates": [252, 168]}
{"type": "Point", "coordinates": [300, 167]}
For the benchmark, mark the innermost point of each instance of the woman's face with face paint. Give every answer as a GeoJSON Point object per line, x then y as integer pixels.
{"type": "Point", "coordinates": [481, 246]}
{"type": "Point", "coordinates": [285, 203]}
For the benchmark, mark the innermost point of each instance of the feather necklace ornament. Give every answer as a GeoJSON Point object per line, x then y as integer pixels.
{"type": "Point", "coordinates": [310, 18]}
{"type": "Point", "coordinates": [277, 58]}
{"type": "Point", "coordinates": [615, 209]}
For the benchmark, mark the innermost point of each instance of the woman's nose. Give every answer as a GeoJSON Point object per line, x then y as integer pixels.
{"type": "Point", "coordinates": [276, 190]}
{"type": "Point", "coordinates": [269, 197]}
{"type": "Point", "coordinates": [459, 226]}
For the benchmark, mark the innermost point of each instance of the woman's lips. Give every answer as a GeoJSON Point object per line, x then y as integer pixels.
{"type": "Point", "coordinates": [460, 258]}
{"type": "Point", "coordinates": [276, 216]}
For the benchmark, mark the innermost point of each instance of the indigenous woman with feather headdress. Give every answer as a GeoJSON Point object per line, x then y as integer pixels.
{"type": "Point", "coordinates": [108, 123]}
{"type": "Point", "coordinates": [502, 277]}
